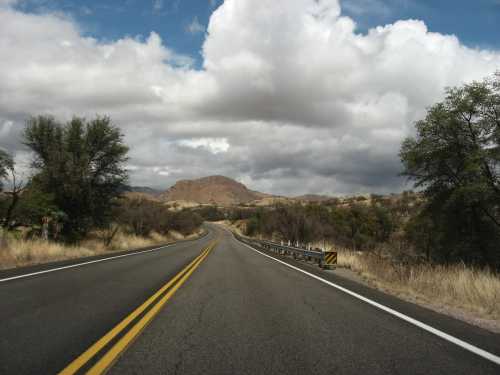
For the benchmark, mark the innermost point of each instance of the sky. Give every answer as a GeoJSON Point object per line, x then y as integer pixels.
{"type": "Point", "coordinates": [286, 96]}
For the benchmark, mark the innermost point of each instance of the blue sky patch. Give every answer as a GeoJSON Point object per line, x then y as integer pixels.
{"type": "Point", "coordinates": [182, 23]}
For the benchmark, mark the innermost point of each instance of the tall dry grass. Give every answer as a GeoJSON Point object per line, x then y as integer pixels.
{"type": "Point", "coordinates": [472, 290]}
{"type": "Point", "coordinates": [17, 252]}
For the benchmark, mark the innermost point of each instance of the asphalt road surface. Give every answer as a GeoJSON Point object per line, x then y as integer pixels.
{"type": "Point", "coordinates": [230, 310]}
{"type": "Point", "coordinates": [48, 320]}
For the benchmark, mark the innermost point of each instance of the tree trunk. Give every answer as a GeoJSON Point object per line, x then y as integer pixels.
{"type": "Point", "coordinates": [3, 239]}
{"type": "Point", "coordinates": [111, 236]}
{"type": "Point", "coordinates": [10, 210]}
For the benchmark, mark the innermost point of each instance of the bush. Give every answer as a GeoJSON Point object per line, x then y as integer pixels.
{"type": "Point", "coordinates": [143, 216]}
{"type": "Point", "coordinates": [186, 221]}
{"type": "Point", "coordinates": [211, 213]}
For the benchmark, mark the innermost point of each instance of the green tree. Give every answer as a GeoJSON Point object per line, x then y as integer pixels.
{"type": "Point", "coordinates": [34, 206]}
{"type": "Point", "coordinates": [143, 216]}
{"type": "Point", "coordinates": [6, 164]}
{"type": "Point", "coordinates": [80, 164]}
{"type": "Point", "coordinates": [421, 230]}
{"type": "Point", "coordinates": [455, 158]}
{"type": "Point", "coordinates": [383, 223]}
{"type": "Point", "coordinates": [12, 197]}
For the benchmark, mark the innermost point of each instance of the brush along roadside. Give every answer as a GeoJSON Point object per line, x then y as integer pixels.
{"type": "Point", "coordinates": [20, 252]}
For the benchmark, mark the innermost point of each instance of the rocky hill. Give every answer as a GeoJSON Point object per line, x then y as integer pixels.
{"type": "Point", "coordinates": [217, 190]}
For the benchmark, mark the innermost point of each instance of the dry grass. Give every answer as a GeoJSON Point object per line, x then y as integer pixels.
{"type": "Point", "coordinates": [459, 287]}
{"type": "Point", "coordinates": [467, 293]}
{"type": "Point", "coordinates": [20, 252]}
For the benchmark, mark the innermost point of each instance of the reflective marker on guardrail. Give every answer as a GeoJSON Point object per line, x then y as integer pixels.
{"type": "Point", "coordinates": [330, 259]}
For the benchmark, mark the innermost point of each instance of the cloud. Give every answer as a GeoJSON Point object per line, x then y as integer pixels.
{"type": "Point", "coordinates": [7, 3]}
{"type": "Point", "coordinates": [290, 99]}
{"type": "Point", "coordinates": [157, 5]}
{"type": "Point", "coordinates": [86, 11]}
{"type": "Point", "coordinates": [213, 145]}
{"type": "Point", "coordinates": [195, 27]}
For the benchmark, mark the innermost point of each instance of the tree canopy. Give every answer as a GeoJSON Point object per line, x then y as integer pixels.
{"type": "Point", "coordinates": [455, 159]}
{"type": "Point", "coordinates": [81, 164]}
{"type": "Point", "coordinates": [6, 164]}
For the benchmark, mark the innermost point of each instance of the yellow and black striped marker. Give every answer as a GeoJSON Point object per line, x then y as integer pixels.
{"type": "Point", "coordinates": [104, 352]}
{"type": "Point", "coordinates": [330, 258]}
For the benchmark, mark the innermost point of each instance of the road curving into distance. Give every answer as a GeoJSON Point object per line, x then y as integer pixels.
{"type": "Point", "coordinates": [215, 306]}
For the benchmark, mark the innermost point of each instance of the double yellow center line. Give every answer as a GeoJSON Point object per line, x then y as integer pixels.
{"type": "Point", "coordinates": [121, 345]}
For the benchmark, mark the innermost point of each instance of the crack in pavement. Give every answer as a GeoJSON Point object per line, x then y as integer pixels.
{"type": "Point", "coordinates": [189, 333]}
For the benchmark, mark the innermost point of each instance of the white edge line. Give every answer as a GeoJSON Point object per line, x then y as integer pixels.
{"type": "Point", "coordinates": [82, 264]}
{"type": "Point", "coordinates": [471, 348]}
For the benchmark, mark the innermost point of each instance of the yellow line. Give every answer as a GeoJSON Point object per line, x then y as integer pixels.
{"type": "Point", "coordinates": [112, 355]}
{"type": "Point", "coordinates": [74, 366]}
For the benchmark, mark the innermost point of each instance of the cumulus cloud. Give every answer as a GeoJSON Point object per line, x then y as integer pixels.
{"type": "Point", "coordinates": [195, 27]}
{"type": "Point", "coordinates": [213, 145]}
{"type": "Point", "coordinates": [290, 98]}
{"type": "Point", "coordinates": [7, 3]}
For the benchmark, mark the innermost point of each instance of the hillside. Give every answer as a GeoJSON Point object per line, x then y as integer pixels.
{"type": "Point", "coordinates": [224, 191]}
{"type": "Point", "coordinates": [144, 190]}
{"type": "Point", "coordinates": [141, 196]}
{"type": "Point", "coordinates": [312, 198]}
{"type": "Point", "coordinates": [217, 190]}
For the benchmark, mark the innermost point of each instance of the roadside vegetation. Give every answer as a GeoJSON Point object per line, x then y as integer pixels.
{"type": "Point", "coordinates": [440, 245]}
{"type": "Point", "coordinates": [74, 203]}
{"type": "Point", "coordinates": [466, 292]}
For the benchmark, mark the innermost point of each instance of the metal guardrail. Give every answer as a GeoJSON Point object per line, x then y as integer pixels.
{"type": "Point", "coordinates": [324, 259]}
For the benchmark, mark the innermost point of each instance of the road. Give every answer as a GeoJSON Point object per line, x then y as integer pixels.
{"type": "Point", "coordinates": [48, 320]}
{"type": "Point", "coordinates": [235, 311]}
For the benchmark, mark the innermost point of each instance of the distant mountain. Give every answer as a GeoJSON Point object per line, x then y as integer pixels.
{"type": "Point", "coordinates": [218, 190]}
{"type": "Point", "coordinates": [224, 191]}
{"type": "Point", "coordinates": [144, 190]}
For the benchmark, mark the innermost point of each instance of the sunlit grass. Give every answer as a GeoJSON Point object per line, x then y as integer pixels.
{"type": "Point", "coordinates": [457, 286]}
{"type": "Point", "coordinates": [21, 252]}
